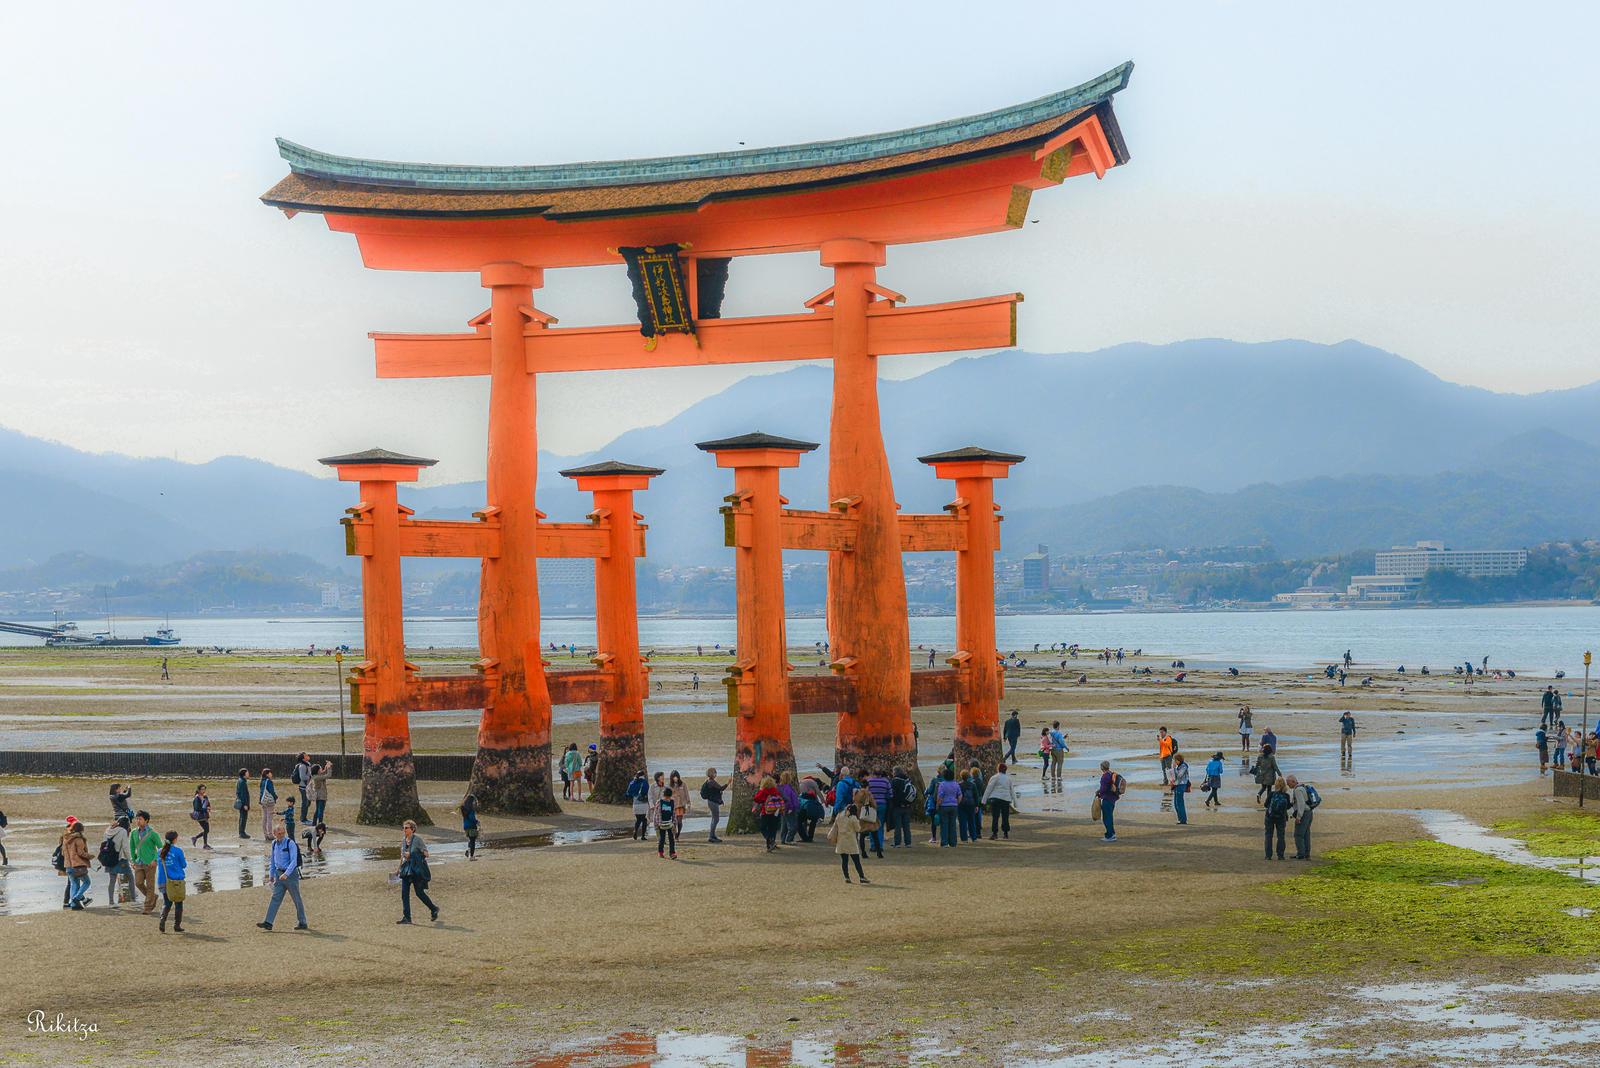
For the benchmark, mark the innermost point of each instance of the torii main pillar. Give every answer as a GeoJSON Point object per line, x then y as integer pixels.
{"type": "Point", "coordinates": [867, 620]}
{"type": "Point", "coordinates": [512, 769]}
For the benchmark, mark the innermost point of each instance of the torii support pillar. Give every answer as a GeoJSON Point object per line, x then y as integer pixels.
{"type": "Point", "coordinates": [621, 752]}
{"type": "Point", "coordinates": [978, 717]}
{"type": "Point", "coordinates": [388, 773]}
{"type": "Point", "coordinates": [758, 682]}
{"type": "Point", "coordinates": [867, 620]}
{"type": "Point", "coordinates": [512, 770]}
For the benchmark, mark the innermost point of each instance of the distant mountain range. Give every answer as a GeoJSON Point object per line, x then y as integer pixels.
{"type": "Point", "coordinates": [1316, 448]}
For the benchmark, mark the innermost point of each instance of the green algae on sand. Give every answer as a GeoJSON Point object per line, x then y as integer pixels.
{"type": "Point", "coordinates": [1388, 905]}
{"type": "Point", "coordinates": [1574, 833]}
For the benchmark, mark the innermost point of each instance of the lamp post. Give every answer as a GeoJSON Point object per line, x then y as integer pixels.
{"type": "Point", "coordinates": [338, 674]}
{"type": "Point", "coordinates": [1587, 742]}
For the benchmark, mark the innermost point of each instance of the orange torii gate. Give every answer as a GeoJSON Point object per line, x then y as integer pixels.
{"type": "Point", "coordinates": [761, 692]}
{"type": "Point", "coordinates": [677, 222]}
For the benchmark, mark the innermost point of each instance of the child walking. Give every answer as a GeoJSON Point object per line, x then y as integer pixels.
{"type": "Point", "coordinates": [666, 834]}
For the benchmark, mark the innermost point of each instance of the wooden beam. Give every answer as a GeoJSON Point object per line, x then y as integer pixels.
{"type": "Point", "coordinates": [476, 538]}
{"type": "Point", "coordinates": [822, 695]}
{"type": "Point", "coordinates": [987, 322]}
{"type": "Point", "coordinates": [937, 686]}
{"type": "Point", "coordinates": [932, 533]}
{"type": "Point", "coordinates": [821, 531]}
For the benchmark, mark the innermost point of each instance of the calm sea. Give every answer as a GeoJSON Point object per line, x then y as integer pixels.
{"type": "Point", "coordinates": [1533, 640]}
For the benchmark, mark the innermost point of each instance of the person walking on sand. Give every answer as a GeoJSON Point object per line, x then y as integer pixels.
{"type": "Point", "coordinates": [414, 872]}
{"type": "Point", "coordinates": [1303, 801]}
{"type": "Point", "coordinates": [166, 676]}
{"type": "Point", "coordinates": [283, 872]}
{"type": "Point", "coordinates": [267, 798]}
{"type": "Point", "coordinates": [1276, 813]}
{"type": "Point", "coordinates": [143, 846]}
{"type": "Point", "coordinates": [789, 828]}
{"type": "Point", "coordinates": [301, 777]}
{"type": "Point", "coordinates": [75, 864]}
{"type": "Point", "coordinates": [1000, 794]}
{"type": "Point", "coordinates": [1011, 733]}
{"type": "Point", "coordinates": [658, 783]}
{"type": "Point", "coordinates": [572, 773]}
{"type": "Point", "coordinates": [680, 802]}
{"type": "Point", "coordinates": [241, 799]}
{"type": "Point", "coordinates": [1044, 754]}
{"type": "Point", "coordinates": [768, 805]}
{"type": "Point", "coordinates": [1112, 787]}
{"type": "Point", "coordinates": [1542, 741]}
{"type": "Point", "coordinates": [845, 834]}
{"type": "Point", "coordinates": [1166, 745]}
{"type": "Point", "coordinates": [1347, 735]}
{"type": "Point", "coordinates": [1547, 702]}
{"type": "Point", "coordinates": [1266, 771]}
{"type": "Point", "coordinates": [1214, 779]}
{"type": "Point", "coordinates": [711, 793]}
{"type": "Point", "coordinates": [319, 789]}
{"type": "Point", "coordinates": [1244, 728]}
{"type": "Point", "coordinates": [113, 857]}
{"type": "Point", "coordinates": [638, 792]}
{"type": "Point", "coordinates": [469, 824]}
{"type": "Point", "coordinates": [171, 866]}
{"type": "Point", "coordinates": [1180, 786]}
{"type": "Point", "coordinates": [200, 812]}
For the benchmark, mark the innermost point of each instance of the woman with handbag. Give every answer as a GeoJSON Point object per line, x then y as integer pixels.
{"type": "Point", "coordinates": [1180, 786]}
{"type": "Point", "coordinates": [171, 866]}
{"type": "Point", "coordinates": [869, 834]}
{"type": "Point", "coordinates": [200, 812]}
{"type": "Point", "coordinates": [267, 795]}
{"type": "Point", "coordinates": [413, 871]}
{"type": "Point", "coordinates": [845, 834]}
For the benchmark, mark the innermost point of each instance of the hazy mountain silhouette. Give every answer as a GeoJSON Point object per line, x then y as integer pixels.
{"type": "Point", "coordinates": [1358, 447]}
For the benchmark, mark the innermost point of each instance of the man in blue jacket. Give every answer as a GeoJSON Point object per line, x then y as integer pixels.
{"type": "Point", "coordinates": [283, 872]}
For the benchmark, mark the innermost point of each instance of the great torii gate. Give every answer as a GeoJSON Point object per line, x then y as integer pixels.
{"type": "Point", "coordinates": [677, 222]}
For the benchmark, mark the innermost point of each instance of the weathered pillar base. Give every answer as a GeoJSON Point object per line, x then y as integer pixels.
{"type": "Point", "coordinates": [389, 793]}
{"type": "Point", "coordinates": [986, 755]}
{"type": "Point", "coordinates": [515, 781]}
{"type": "Point", "coordinates": [773, 762]}
{"type": "Point", "coordinates": [620, 758]}
{"type": "Point", "coordinates": [862, 761]}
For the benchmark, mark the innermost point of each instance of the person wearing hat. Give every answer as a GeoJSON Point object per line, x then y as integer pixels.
{"type": "Point", "coordinates": [75, 864]}
{"type": "Point", "coordinates": [117, 835]}
{"type": "Point", "coordinates": [591, 762]}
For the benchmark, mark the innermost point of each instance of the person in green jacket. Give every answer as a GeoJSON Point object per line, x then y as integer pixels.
{"type": "Point", "coordinates": [241, 799]}
{"type": "Point", "coordinates": [143, 845]}
{"type": "Point", "coordinates": [572, 765]}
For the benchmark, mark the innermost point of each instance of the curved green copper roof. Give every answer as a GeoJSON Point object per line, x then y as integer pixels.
{"type": "Point", "coordinates": [311, 162]}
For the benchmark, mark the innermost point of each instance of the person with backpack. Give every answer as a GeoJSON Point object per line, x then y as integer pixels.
{"type": "Point", "coordinates": [469, 824]}
{"type": "Point", "coordinates": [1541, 740]}
{"type": "Point", "coordinates": [200, 812]}
{"type": "Point", "coordinates": [1180, 786]}
{"type": "Point", "coordinates": [1011, 734]}
{"type": "Point", "coordinates": [1000, 794]}
{"type": "Point", "coordinates": [1112, 787]}
{"type": "Point", "coordinates": [902, 799]}
{"type": "Point", "coordinates": [638, 792]}
{"type": "Point", "coordinates": [113, 858]}
{"type": "Point", "coordinates": [869, 833]}
{"type": "Point", "coordinates": [75, 864]}
{"type": "Point", "coordinates": [301, 778]}
{"type": "Point", "coordinates": [768, 805]}
{"type": "Point", "coordinates": [1265, 771]}
{"type": "Point", "coordinates": [241, 799]}
{"type": "Point", "coordinates": [844, 788]}
{"type": "Point", "coordinates": [267, 798]}
{"type": "Point", "coordinates": [171, 865]}
{"type": "Point", "coordinates": [1214, 779]}
{"type": "Point", "coordinates": [811, 808]}
{"type": "Point", "coordinates": [1276, 814]}
{"type": "Point", "coordinates": [1058, 749]}
{"type": "Point", "coordinates": [283, 872]}
{"type": "Point", "coordinates": [1303, 801]}
{"type": "Point", "coordinates": [711, 793]}
{"type": "Point", "coordinates": [680, 801]}
{"type": "Point", "coordinates": [413, 871]}
{"type": "Point", "coordinates": [143, 846]}
{"type": "Point", "coordinates": [120, 801]}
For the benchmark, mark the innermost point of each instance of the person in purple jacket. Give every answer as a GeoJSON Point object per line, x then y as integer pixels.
{"type": "Point", "coordinates": [948, 795]}
{"type": "Point", "coordinates": [879, 784]}
{"type": "Point", "coordinates": [789, 825]}
{"type": "Point", "coordinates": [1111, 788]}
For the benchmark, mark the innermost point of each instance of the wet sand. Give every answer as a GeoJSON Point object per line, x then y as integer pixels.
{"type": "Point", "coordinates": [999, 948]}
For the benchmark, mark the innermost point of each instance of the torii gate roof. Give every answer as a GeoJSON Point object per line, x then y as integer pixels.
{"type": "Point", "coordinates": [726, 203]}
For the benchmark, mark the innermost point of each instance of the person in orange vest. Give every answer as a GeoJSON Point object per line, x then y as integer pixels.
{"type": "Point", "coordinates": [1167, 745]}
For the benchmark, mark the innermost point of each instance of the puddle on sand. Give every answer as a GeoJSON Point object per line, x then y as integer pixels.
{"type": "Point", "coordinates": [1451, 829]}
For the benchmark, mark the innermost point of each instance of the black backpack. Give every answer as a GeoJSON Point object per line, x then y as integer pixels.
{"type": "Point", "coordinates": [108, 856]}
{"type": "Point", "coordinates": [1278, 805]}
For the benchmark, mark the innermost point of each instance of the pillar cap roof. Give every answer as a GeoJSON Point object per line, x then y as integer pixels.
{"type": "Point", "coordinates": [376, 456]}
{"type": "Point", "coordinates": [971, 452]}
{"type": "Point", "coordinates": [612, 467]}
{"type": "Point", "coordinates": [757, 440]}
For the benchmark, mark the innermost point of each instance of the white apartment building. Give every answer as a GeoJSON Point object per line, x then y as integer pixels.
{"type": "Point", "coordinates": [1414, 561]}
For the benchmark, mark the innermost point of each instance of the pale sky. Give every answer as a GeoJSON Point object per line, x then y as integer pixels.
{"type": "Point", "coordinates": [1419, 177]}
